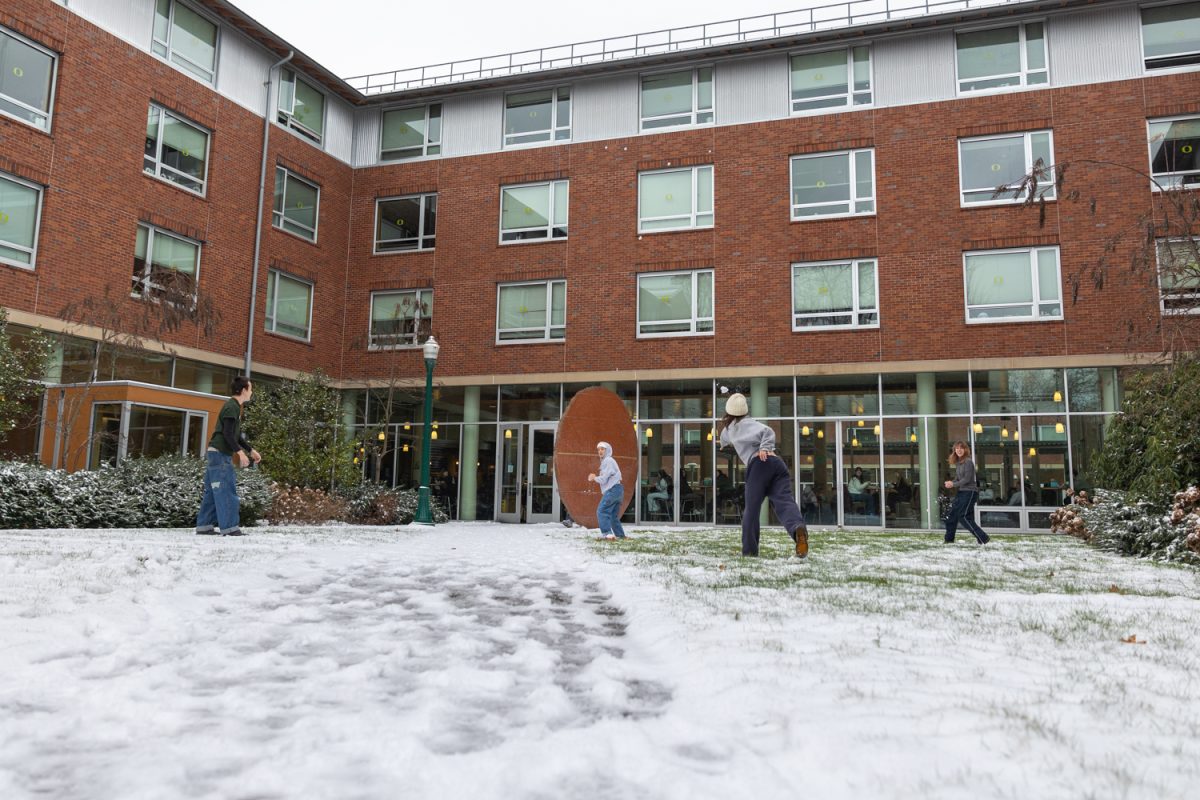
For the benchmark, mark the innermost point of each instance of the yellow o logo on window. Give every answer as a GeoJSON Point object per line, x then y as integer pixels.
{"type": "Point", "coordinates": [3, 218]}
{"type": "Point", "coordinates": [1187, 148]}
{"type": "Point", "coordinates": [820, 76]}
{"type": "Point", "coordinates": [669, 197]}
{"type": "Point", "coordinates": [20, 73]}
{"type": "Point", "coordinates": [995, 167]}
{"type": "Point", "coordinates": [821, 184]}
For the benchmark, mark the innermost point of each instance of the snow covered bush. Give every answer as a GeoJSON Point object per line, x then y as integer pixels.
{"type": "Point", "coordinates": [1120, 523]}
{"type": "Point", "coordinates": [297, 505]}
{"type": "Point", "coordinates": [374, 504]}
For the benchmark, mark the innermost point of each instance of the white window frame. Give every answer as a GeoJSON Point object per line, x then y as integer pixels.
{"type": "Point", "coordinates": [548, 328]}
{"type": "Point", "coordinates": [555, 125]}
{"type": "Point", "coordinates": [1048, 193]}
{"type": "Point", "coordinates": [425, 145]}
{"type": "Point", "coordinates": [554, 187]}
{"type": "Point", "coordinates": [1034, 303]}
{"type": "Point", "coordinates": [691, 218]}
{"type": "Point", "coordinates": [1147, 70]}
{"type": "Point", "coordinates": [49, 112]}
{"type": "Point", "coordinates": [1168, 180]}
{"type": "Point", "coordinates": [37, 225]}
{"type": "Point", "coordinates": [695, 111]}
{"type": "Point", "coordinates": [855, 313]}
{"type": "Point", "coordinates": [1192, 296]}
{"type": "Point", "coordinates": [416, 335]}
{"type": "Point", "coordinates": [286, 117]}
{"type": "Point", "coordinates": [170, 56]}
{"type": "Point", "coordinates": [1024, 50]}
{"type": "Point", "coordinates": [695, 318]}
{"type": "Point", "coordinates": [852, 201]}
{"type": "Point", "coordinates": [278, 216]}
{"type": "Point", "coordinates": [159, 166]}
{"type": "Point", "coordinates": [153, 232]}
{"type": "Point", "coordinates": [421, 236]}
{"type": "Point", "coordinates": [848, 97]}
{"type": "Point", "coordinates": [269, 316]}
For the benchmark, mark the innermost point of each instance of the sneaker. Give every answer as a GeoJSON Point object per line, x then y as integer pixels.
{"type": "Point", "coordinates": [610, 537]}
{"type": "Point", "coordinates": [209, 531]}
{"type": "Point", "coordinates": [234, 532]}
{"type": "Point", "coordinates": [801, 535]}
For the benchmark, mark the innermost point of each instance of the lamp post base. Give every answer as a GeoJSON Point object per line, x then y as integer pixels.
{"type": "Point", "coordinates": [424, 510]}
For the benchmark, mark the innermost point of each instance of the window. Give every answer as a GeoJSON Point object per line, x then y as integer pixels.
{"type": "Point", "coordinates": [301, 106]}
{"type": "Point", "coordinates": [411, 133]}
{"type": "Point", "coordinates": [1174, 162]}
{"type": "Point", "coordinates": [1013, 285]}
{"type": "Point", "coordinates": [185, 37]}
{"type": "Point", "coordinates": [1171, 35]}
{"type": "Point", "coordinates": [20, 208]}
{"type": "Point", "coordinates": [1178, 277]}
{"type": "Point", "coordinates": [26, 80]}
{"type": "Point", "coordinates": [296, 203]}
{"type": "Point", "coordinates": [531, 311]}
{"type": "Point", "coordinates": [831, 79]}
{"type": "Point", "coordinates": [541, 116]}
{"type": "Point", "coordinates": [833, 184]}
{"type": "Point", "coordinates": [176, 150]}
{"type": "Point", "coordinates": [992, 161]}
{"type": "Point", "coordinates": [674, 199]}
{"type": "Point", "coordinates": [401, 319]}
{"type": "Point", "coordinates": [405, 223]}
{"type": "Point", "coordinates": [534, 211]}
{"type": "Point", "coordinates": [999, 58]}
{"type": "Point", "coordinates": [164, 263]}
{"type": "Point", "coordinates": [835, 294]}
{"type": "Point", "coordinates": [674, 303]}
{"type": "Point", "coordinates": [677, 98]}
{"type": "Point", "coordinates": [289, 305]}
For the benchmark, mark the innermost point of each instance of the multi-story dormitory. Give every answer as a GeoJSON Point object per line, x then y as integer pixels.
{"type": "Point", "coordinates": [805, 212]}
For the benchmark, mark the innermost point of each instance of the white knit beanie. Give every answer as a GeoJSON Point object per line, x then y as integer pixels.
{"type": "Point", "coordinates": [735, 404]}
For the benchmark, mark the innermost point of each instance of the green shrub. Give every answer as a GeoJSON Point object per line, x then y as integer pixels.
{"type": "Point", "coordinates": [1121, 523]}
{"type": "Point", "coordinates": [375, 504]}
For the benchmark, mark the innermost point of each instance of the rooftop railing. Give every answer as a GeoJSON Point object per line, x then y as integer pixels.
{"type": "Point", "coordinates": [670, 40]}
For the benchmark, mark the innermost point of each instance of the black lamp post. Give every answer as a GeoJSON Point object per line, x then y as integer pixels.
{"type": "Point", "coordinates": [424, 512]}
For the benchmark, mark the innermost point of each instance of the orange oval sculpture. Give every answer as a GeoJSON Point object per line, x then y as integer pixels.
{"type": "Point", "coordinates": [594, 415]}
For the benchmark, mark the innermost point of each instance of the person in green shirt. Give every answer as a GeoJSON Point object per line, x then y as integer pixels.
{"type": "Point", "coordinates": [219, 508]}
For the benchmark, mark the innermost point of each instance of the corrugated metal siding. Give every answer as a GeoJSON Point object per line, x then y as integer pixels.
{"type": "Point", "coordinates": [1095, 46]}
{"type": "Point", "coordinates": [132, 20]}
{"type": "Point", "coordinates": [914, 69]}
{"type": "Point", "coordinates": [473, 124]}
{"type": "Point", "coordinates": [751, 89]}
{"type": "Point", "coordinates": [339, 128]}
{"type": "Point", "coordinates": [366, 136]}
{"type": "Point", "coordinates": [241, 70]}
{"type": "Point", "coordinates": [605, 108]}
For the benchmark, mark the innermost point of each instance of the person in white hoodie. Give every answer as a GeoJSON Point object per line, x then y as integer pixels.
{"type": "Point", "coordinates": [612, 492]}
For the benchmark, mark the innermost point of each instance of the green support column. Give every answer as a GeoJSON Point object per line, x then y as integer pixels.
{"type": "Point", "coordinates": [468, 474]}
{"type": "Point", "coordinates": [758, 409]}
{"type": "Point", "coordinates": [927, 449]}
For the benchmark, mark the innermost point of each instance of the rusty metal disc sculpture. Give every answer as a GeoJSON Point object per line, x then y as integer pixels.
{"type": "Point", "coordinates": [594, 415]}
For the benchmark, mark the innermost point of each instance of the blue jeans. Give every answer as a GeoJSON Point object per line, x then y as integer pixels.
{"type": "Point", "coordinates": [608, 513]}
{"type": "Point", "coordinates": [220, 504]}
{"type": "Point", "coordinates": [964, 510]}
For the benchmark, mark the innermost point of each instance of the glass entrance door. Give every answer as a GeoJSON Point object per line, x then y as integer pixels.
{"type": "Point", "coordinates": [861, 473]}
{"type": "Point", "coordinates": [508, 504]}
{"type": "Point", "coordinates": [839, 472]}
{"type": "Point", "coordinates": [541, 497]}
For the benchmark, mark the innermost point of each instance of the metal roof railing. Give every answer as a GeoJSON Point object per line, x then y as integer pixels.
{"type": "Point", "coordinates": [670, 40]}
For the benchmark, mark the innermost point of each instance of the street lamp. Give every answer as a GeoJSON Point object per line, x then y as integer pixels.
{"type": "Point", "coordinates": [424, 512]}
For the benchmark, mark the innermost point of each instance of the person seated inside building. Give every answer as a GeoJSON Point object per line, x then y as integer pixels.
{"type": "Point", "coordinates": [861, 491]}
{"type": "Point", "coordinates": [660, 498]}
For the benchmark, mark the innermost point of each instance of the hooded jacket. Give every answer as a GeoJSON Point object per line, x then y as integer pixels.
{"type": "Point", "coordinates": [748, 436]}
{"type": "Point", "coordinates": [610, 474]}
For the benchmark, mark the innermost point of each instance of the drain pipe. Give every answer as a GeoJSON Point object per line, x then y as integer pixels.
{"type": "Point", "coordinates": [262, 179]}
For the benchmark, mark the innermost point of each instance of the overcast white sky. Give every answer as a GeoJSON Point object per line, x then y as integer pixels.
{"type": "Point", "coordinates": [357, 37]}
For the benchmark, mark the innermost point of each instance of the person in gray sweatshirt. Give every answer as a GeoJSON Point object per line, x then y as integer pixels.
{"type": "Point", "coordinates": [968, 492]}
{"type": "Point", "coordinates": [766, 476]}
{"type": "Point", "coordinates": [612, 492]}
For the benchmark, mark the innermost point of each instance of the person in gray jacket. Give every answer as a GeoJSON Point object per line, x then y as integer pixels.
{"type": "Point", "coordinates": [612, 492]}
{"type": "Point", "coordinates": [766, 476]}
{"type": "Point", "coordinates": [968, 492]}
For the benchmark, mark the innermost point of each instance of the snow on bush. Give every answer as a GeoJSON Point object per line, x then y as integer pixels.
{"type": "Point", "coordinates": [374, 504]}
{"type": "Point", "coordinates": [1120, 523]}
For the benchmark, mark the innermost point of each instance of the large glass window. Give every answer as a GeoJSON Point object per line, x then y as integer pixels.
{"type": "Point", "coordinates": [176, 150]}
{"type": "Point", "coordinates": [833, 184]}
{"type": "Point", "coordinates": [164, 264]}
{"type": "Point", "coordinates": [1171, 35]}
{"type": "Point", "coordinates": [1000, 58]}
{"type": "Point", "coordinates": [672, 199]}
{"type": "Point", "coordinates": [677, 98]}
{"type": "Point", "coordinates": [405, 223]}
{"type": "Point", "coordinates": [831, 79]}
{"type": "Point", "coordinates": [675, 303]}
{"type": "Point", "coordinates": [301, 106]}
{"type": "Point", "coordinates": [289, 305]}
{"type": "Point", "coordinates": [401, 319]}
{"type": "Point", "coordinates": [1013, 285]}
{"type": "Point", "coordinates": [1178, 276]}
{"type": "Point", "coordinates": [296, 203]}
{"type": "Point", "coordinates": [1175, 152]}
{"type": "Point", "coordinates": [411, 133]}
{"type": "Point", "coordinates": [988, 162]}
{"type": "Point", "coordinates": [20, 207]}
{"type": "Point", "coordinates": [835, 294]}
{"type": "Point", "coordinates": [186, 37]}
{"type": "Point", "coordinates": [534, 211]}
{"type": "Point", "coordinates": [531, 311]}
{"type": "Point", "coordinates": [540, 116]}
{"type": "Point", "coordinates": [26, 79]}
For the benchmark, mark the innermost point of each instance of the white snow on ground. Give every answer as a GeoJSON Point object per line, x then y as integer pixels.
{"type": "Point", "coordinates": [488, 661]}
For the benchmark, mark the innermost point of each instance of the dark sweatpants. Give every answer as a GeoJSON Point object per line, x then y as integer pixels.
{"type": "Point", "coordinates": [768, 479]}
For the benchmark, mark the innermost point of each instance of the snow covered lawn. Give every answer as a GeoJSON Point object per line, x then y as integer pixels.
{"type": "Point", "coordinates": [486, 661]}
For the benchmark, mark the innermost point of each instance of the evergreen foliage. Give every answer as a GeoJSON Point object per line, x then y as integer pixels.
{"type": "Point", "coordinates": [21, 363]}
{"type": "Point", "coordinates": [375, 504]}
{"type": "Point", "coordinates": [1121, 523]}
